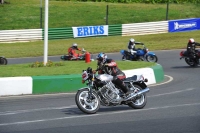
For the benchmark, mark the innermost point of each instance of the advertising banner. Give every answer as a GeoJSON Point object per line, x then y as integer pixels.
{"type": "Point", "coordinates": [87, 31]}
{"type": "Point", "coordinates": [184, 25]}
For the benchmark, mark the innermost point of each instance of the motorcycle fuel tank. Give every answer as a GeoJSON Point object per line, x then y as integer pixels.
{"type": "Point", "coordinates": [104, 77]}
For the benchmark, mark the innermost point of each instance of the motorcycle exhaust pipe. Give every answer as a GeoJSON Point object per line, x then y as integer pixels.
{"type": "Point", "coordinates": [138, 93]}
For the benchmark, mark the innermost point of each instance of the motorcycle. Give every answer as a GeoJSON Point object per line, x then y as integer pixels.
{"type": "Point", "coordinates": [141, 55]}
{"type": "Point", "coordinates": [3, 60]}
{"type": "Point", "coordinates": [101, 91]}
{"type": "Point", "coordinates": [191, 60]}
{"type": "Point", "coordinates": [71, 57]}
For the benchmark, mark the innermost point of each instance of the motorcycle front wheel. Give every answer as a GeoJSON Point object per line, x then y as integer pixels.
{"type": "Point", "coordinates": [86, 105]}
{"type": "Point", "coordinates": [3, 61]}
{"type": "Point", "coordinates": [151, 58]}
{"type": "Point", "coordinates": [140, 101]}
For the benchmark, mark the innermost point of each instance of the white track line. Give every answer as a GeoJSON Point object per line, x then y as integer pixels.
{"type": "Point", "coordinates": [174, 92]}
{"type": "Point", "coordinates": [170, 79]}
{"type": "Point", "coordinates": [71, 106]}
{"type": "Point", "coordinates": [32, 110]}
{"type": "Point", "coordinates": [110, 113]}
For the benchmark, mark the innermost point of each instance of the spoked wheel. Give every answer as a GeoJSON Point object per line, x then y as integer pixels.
{"type": "Point", "coordinates": [151, 58]}
{"type": "Point", "coordinates": [140, 101]}
{"type": "Point", "coordinates": [3, 61]}
{"type": "Point", "coordinates": [89, 106]}
{"type": "Point", "coordinates": [191, 62]}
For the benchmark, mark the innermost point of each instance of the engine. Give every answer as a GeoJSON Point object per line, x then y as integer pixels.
{"type": "Point", "coordinates": [110, 94]}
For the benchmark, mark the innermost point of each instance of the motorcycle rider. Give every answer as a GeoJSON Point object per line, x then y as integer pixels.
{"type": "Point", "coordinates": [191, 47]}
{"type": "Point", "coordinates": [131, 46]}
{"type": "Point", "coordinates": [109, 66]}
{"type": "Point", "coordinates": [72, 50]}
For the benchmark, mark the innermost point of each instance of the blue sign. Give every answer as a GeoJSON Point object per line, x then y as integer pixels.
{"type": "Point", "coordinates": [184, 25]}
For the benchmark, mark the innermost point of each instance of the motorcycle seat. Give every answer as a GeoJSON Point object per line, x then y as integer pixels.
{"type": "Point", "coordinates": [133, 78]}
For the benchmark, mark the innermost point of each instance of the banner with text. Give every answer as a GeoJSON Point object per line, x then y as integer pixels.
{"type": "Point", "coordinates": [87, 31]}
{"type": "Point", "coordinates": [184, 25]}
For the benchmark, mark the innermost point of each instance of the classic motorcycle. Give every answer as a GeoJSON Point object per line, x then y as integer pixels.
{"type": "Point", "coordinates": [71, 58]}
{"type": "Point", "coordinates": [191, 61]}
{"type": "Point", "coordinates": [3, 60]}
{"type": "Point", "coordinates": [101, 91]}
{"type": "Point", "coordinates": [141, 55]}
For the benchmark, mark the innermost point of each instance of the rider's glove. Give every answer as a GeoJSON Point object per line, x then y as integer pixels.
{"type": "Point", "coordinates": [94, 71]}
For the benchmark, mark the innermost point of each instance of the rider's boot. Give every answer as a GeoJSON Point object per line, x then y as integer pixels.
{"type": "Point", "coordinates": [122, 86]}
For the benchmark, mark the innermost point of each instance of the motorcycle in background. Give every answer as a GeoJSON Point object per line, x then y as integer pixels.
{"type": "Point", "coordinates": [3, 60]}
{"type": "Point", "coordinates": [101, 91]}
{"type": "Point", "coordinates": [141, 55]}
{"type": "Point", "coordinates": [71, 58]}
{"type": "Point", "coordinates": [191, 60]}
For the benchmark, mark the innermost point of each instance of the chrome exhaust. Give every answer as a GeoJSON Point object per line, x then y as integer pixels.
{"type": "Point", "coordinates": [137, 94]}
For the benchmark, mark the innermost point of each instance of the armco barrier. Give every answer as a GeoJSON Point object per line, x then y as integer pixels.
{"type": "Point", "coordinates": [65, 83]}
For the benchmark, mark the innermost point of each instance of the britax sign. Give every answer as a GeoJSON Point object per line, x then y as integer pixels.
{"type": "Point", "coordinates": [87, 31]}
{"type": "Point", "coordinates": [184, 25]}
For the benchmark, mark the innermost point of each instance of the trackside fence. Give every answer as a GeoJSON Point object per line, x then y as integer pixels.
{"type": "Point", "coordinates": [9, 36]}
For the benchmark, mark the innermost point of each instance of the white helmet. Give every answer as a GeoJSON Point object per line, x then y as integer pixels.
{"type": "Point", "coordinates": [74, 44]}
{"type": "Point", "coordinates": [191, 40]}
{"type": "Point", "coordinates": [132, 40]}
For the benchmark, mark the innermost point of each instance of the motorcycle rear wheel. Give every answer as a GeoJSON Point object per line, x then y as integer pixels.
{"type": "Point", "coordinates": [139, 102]}
{"type": "Point", "coordinates": [191, 62]}
{"type": "Point", "coordinates": [3, 61]}
{"type": "Point", "coordinates": [86, 105]}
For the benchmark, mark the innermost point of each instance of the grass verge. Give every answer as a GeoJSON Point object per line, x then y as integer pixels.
{"type": "Point", "coordinates": [69, 67]}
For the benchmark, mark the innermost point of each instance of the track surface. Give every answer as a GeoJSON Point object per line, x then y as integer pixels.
{"type": "Point", "coordinates": [172, 107]}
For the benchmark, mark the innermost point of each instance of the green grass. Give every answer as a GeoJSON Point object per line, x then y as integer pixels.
{"type": "Point", "coordinates": [25, 14]}
{"type": "Point", "coordinates": [70, 67]}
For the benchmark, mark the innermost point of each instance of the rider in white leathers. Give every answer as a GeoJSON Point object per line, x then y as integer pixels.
{"type": "Point", "coordinates": [131, 46]}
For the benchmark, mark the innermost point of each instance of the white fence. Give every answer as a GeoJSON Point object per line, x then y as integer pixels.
{"type": "Point", "coordinates": [8, 36]}
{"type": "Point", "coordinates": [145, 28]}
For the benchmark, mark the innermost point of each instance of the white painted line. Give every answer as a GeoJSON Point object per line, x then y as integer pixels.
{"type": "Point", "coordinates": [174, 92]}
{"type": "Point", "coordinates": [32, 110]}
{"type": "Point", "coordinates": [36, 95]}
{"type": "Point", "coordinates": [170, 79]}
{"type": "Point", "coordinates": [110, 113]}
{"type": "Point", "coordinates": [65, 107]}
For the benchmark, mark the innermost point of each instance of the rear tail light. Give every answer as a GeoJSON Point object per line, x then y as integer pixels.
{"type": "Point", "coordinates": [181, 53]}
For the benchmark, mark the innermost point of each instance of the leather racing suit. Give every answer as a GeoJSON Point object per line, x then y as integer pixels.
{"type": "Point", "coordinates": [110, 67]}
